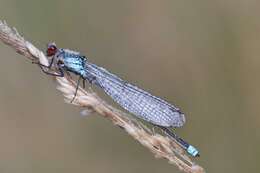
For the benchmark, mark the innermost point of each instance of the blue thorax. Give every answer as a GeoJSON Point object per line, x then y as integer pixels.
{"type": "Point", "coordinates": [73, 61]}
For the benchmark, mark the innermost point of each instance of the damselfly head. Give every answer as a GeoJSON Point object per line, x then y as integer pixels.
{"type": "Point", "coordinates": [51, 49]}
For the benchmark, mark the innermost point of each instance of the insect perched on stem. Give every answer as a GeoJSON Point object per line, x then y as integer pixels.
{"type": "Point", "coordinates": [133, 99]}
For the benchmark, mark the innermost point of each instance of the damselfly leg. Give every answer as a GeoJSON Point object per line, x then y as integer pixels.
{"type": "Point", "coordinates": [77, 87]}
{"type": "Point", "coordinates": [60, 74]}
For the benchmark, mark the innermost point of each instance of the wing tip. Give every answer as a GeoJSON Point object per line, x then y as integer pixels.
{"type": "Point", "coordinates": [181, 120]}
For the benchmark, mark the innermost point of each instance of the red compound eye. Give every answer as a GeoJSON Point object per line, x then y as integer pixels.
{"type": "Point", "coordinates": [51, 49]}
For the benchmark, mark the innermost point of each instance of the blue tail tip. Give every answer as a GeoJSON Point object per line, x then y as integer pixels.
{"type": "Point", "coordinates": [193, 151]}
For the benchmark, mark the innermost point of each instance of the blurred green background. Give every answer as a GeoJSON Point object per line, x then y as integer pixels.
{"type": "Point", "coordinates": [201, 55]}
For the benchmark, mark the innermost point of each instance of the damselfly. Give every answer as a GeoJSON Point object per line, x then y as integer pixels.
{"type": "Point", "coordinates": [133, 99]}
